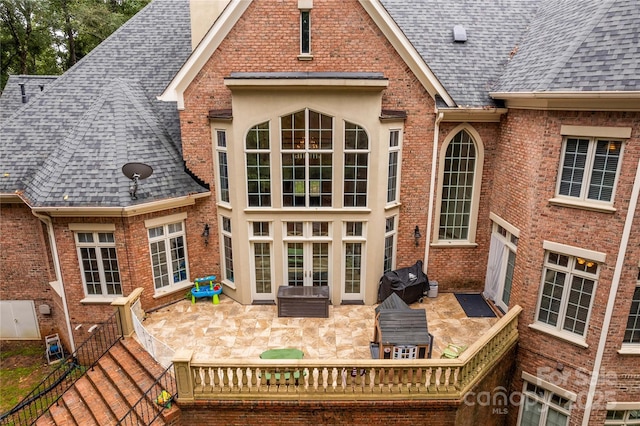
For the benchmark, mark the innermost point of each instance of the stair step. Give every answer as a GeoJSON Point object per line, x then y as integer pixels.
{"type": "Point", "coordinates": [144, 357]}
{"type": "Point", "coordinates": [93, 400]}
{"type": "Point", "coordinates": [78, 409]}
{"type": "Point", "coordinates": [109, 392]}
{"type": "Point", "coordinates": [140, 376]}
{"type": "Point", "coordinates": [45, 420]}
{"type": "Point", "coordinates": [60, 414]}
{"type": "Point", "coordinates": [120, 379]}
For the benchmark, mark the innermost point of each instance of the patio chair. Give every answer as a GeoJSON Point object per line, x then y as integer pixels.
{"type": "Point", "coordinates": [453, 351]}
{"type": "Point", "coordinates": [55, 352]}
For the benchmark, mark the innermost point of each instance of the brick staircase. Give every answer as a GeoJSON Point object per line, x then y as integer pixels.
{"type": "Point", "coordinates": [106, 393]}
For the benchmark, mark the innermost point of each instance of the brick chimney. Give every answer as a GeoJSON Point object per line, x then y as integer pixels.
{"type": "Point", "coordinates": [203, 14]}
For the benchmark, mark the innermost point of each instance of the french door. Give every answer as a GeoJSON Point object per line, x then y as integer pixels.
{"type": "Point", "coordinates": [307, 263]}
{"type": "Point", "coordinates": [502, 260]}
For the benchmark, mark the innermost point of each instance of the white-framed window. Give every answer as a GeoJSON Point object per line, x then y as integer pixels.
{"type": "Point", "coordinates": [393, 176]}
{"type": "Point", "coordinates": [261, 245]}
{"type": "Point", "coordinates": [632, 331]}
{"type": "Point", "coordinates": [307, 253]}
{"type": "Point", "coordinates": [99, 263]}
{"type": "Point", "coordinates": [540, 406]}
{"type": "Point", "coordinates": [258, 155]}
{"type": "Point", "coordinates": [168, 249]}
{"type": "Point", "coordinates": [566, 296]}
{"type": "Point", "coordinates": [305, 32]}
{"type": "Point", "coordinates": [405, 352]}
{"type": "Point", "coordinates": [223, 166]}
{"type": "Point", "coordinates": [589, 169]}
{"type": "Point", "coordinates": [460, 176]}
{"type": "Point", "coordinates": [356, 165]}
{"type": "Point", "coordinates": [390, 235]}
{"type": "Point", "coordinates": [623, 417]}
{"type": "Point", "coordinates": [353, 258]}
{"type": "Point", "coordinates": [307, 159]}
{"type": "Point", "coordinates": [227, 249]}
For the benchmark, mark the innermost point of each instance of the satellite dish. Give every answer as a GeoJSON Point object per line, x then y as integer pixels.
{"type": "Point", "coordinates": [135, 172]}
{"type": "Point", "coordinates": [142, 170]}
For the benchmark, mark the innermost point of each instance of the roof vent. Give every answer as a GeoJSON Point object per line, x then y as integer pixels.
{"type": "Point", "coordinates": [459, 34]}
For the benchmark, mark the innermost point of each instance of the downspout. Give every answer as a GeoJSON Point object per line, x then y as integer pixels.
{"type": "Point", "coordinates": [615, 282]}
{"type": "Point", "coordinates": [434, 160]}
{"type": "Point", "coordinates": [56, 264]}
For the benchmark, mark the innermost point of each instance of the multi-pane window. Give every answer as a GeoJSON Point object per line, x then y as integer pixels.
{"type": "Point", "coordinates": [632, 332]}
{"type": "Point", "coordinates": [622, 417]}
{"type": "Point", "coordinates": [389, 240]}
{"type": "Point", "coordinates": [99, 263]}
{"type": "Point", "coordinates": [457, 188]}
{"type": "Point", "coordinates": [405, 352]}
{"type": "Point", "coordinates": [305, 32]}
{"type": "Point", "coordinates": [356, 164]}
{"type": "Point", "coordinates": [541, 407]}
{"type": "Point", "coordinates": [258, 166]}
{"type": "Point", "coordinates": [567, 292]}
{"type": "Point", "coordinates": [589, 169]}
{"type": "Point", "coordinates": [262, 257]}
{"type": "Point", "coordinates": [307, 155]}
{"type": "Point", "coordinates": [167, 245]}
{"type": "Point", "coordinates": [394, 158]}
{"type": "Point", "coordinates": [227, 249]}
{"type": "Point", "coordinates": [353, 257]}
{"type": "Point", "coordinates": [223, 165]}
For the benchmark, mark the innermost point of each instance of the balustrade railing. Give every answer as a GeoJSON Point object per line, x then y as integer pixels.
{"type": "Point", "coordinates": [340, 379]}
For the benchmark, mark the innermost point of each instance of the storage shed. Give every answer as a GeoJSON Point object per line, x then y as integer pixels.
{"type": "Point", "coordinates": [400, 332]}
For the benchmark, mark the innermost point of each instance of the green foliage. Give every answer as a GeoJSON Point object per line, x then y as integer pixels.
{"type": "Point", "coordinates": [50, 36]}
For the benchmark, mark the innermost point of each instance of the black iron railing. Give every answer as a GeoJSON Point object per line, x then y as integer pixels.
{"type": "Point", "coordinates": [160, 396]}
{"type": "Point", "coordinates": [74, 366]}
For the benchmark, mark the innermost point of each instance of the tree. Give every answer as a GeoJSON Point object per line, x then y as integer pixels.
{"type": "Point", "coordinates": [50, 36]}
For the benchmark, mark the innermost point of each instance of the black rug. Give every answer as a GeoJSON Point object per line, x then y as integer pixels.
{"type": "Point", "coordinates": [474, 305]}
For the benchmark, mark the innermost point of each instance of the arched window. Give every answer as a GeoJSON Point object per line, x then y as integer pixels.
{"type": "Point", "coordinates": [460, 178]}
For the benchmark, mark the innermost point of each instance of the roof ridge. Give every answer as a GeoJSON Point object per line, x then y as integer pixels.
{"type": "Point", "coordinates": [586, 29]}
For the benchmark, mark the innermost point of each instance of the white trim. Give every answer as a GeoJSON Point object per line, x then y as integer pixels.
{"type": "Point", "coordinates": [278, 83]}
{"type": "Point", "coordinates": [611, 300]}
{"type": "Point", "coordinates": [171, 289]}
{"type": "Point", "coordinates": [152, 223]}
{"type": "Point", "coordinates": [596, 131]}
{"type": "Point", "coordinates": [405, 49]}
{"type": "Point", "coordinates": [574, 251]}
{"type": "Point", "coordinates": [95, 300]}
{"type": "Point", "coordinates": [506, 225]}
{"type": "Point", "coordinates": [92, 227]}
{"type": "Point", "coordinates": [623, 406]}
{"type": "Point", "coordinates": [573, 397]}
{"type": "Point", "coordinates": [576, 339]}
{"type": "Point", "coordinates": [432, 186]}
{"type": "Point", "coordinates": [574, 202]}
{"type": "Point", "coordinates": [174, 92]}
{"type": "Point", "coordinates": [305, 4]}
{"type": "Point", "coordinates": [628, 94]}
{"type": "Point", "coordinates": [453, 244]}
{"type": "Point", "coordinates": [629, 349]}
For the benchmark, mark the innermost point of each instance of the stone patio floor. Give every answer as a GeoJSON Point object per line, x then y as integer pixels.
{"type": "Point", "coordinates": [230, 330]}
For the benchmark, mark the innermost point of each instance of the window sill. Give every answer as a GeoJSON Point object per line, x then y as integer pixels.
{"type": "Point", "coordinates": [173, 289]}
{"type": "Point", "coordinates": [229, 284]}
{"type": "Point", "coordinates": [584, 205]}
{"type": "Point", "coordinates": [289, 210]}
{"type": "Point", "coordinates": [571, 338]}
{"type": "Point", "coordinates": [305, 57]}
{"type": "Point", "coordinates": [97, 300]}
{"type": "Point", "coordinates": [454, 244]}
{"type": "Point", "coordinates": [392, 206]}
{"type": "Point", "coordinates": [629, 349]}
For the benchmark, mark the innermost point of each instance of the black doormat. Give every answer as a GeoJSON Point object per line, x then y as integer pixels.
{"type": "Point", "coordinates": [474, 305]}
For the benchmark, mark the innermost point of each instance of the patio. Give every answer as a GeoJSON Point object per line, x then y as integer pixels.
{"type": "Point", "coordinates": [230, 330]}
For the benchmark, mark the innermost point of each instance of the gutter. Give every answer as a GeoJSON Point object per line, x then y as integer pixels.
{"type": "Point", "coordinates": [432, 182]}
{"type": "Point", "coordinates": [56, 263]}
{"type": "Point", "coordinates": [615, 283]}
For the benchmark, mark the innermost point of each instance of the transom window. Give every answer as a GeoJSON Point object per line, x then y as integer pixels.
{"type": "Point", "coordinates": [167, 246]}
{"type": "Point", "coordinates": [540, 407]}
{"type": "Point", "coordinates": [567, 291]}
{"type": "Point", "coordinates": [307, 156]}
{"type": "Point", "coordinates": [356, 164]}
{"type": "Point", "coordinates": [99, 263]}
{"type": "Point", "coordinates": [458, 179]}
{"type": "Point", "coordinates": [258, 166]}
{"type": "Point", "coordinates": [589, 169]}
{"type": "Point", "coordinates": [632, 332]}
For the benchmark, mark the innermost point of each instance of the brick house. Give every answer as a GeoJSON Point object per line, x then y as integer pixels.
{"type": "Point", "coordinates": [322, 143]}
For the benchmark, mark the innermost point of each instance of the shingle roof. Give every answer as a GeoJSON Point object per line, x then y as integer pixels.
{"type": "Point", "coordinates": [467, 70]}
{"type": "Point", "coordinates": [11, 100]}
{"type": "Point", "coordinates": [74, 138]}
{"type": "Point", "coordinates": [578, 46]}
